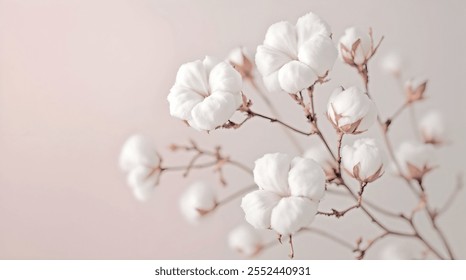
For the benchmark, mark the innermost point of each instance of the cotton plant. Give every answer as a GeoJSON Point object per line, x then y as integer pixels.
{"type": "Point", "coordinates": [285, 190]}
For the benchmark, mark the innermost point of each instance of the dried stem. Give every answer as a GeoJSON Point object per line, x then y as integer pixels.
{"type": "Point", "coordinates": [339, 142]}
{"type": "Point", "coordinates": [274, 120]}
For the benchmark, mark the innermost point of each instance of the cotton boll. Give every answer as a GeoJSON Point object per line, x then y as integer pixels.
{"type": "Point", "coordinates": [432, 128]}
{"type": "Point", "coordinates": [288, 195]}
{"type": "Point", "coordinates": [295, 76]}
{"type": "Point", "coordinates": [245, 240]}
{"type": "Point", "coordinates": [271, 172]}
{"type": "Point", "coordinates": [363, 50]}
{"type": "Point", "coordinates": [415, 159]}
{"type": "Point", "coordinates": [258, 206]}
{"type": "Point", "coordinates": [142, 181]}
{"type": "Point", "coordinates": [241, 61]}
{"type": "Point", "coordinates": [351, 111]}
{"type": "Point", "coordinates": [363, 160]}
{"type": "Point", "coordinates": [322, 156]}
{"type": "Point", "coordinates": [197, 201]}
{"type": "Point", "coordinates": [307, 179]}
{"type": "Point", "coordinates": [392, 63]}
{"type": "Point", "coordinates": [319, 53]}
{"type": "Point", "coordinates": [137, 151]}
{"type": "Point", "coordinates": [293, 57]}
{"type": "Point", "coordinates": [292, 214]}
{"type": "Point", "coordinates": [206, 93]}
{"type": "Point", "coordinates": [415, 89]}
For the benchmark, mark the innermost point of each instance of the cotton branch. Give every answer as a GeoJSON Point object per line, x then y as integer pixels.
{"type": "Point", "coordinates": [220, 160]}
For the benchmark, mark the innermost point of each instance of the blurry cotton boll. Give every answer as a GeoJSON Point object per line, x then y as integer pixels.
{"type": "Point", "coordinates": [400, 251]}
{"type": "Point", "coordinates": [392, 63]}
{"type": "Point", "coordinates": [322, 156]}
{"type": "Point", "coordinates": [415, 159]}
{"type": "Point", "coordinates": [289, 192]}
{"type": "Point", "coordinates": [138, 151]}
{"type": "Point", "coordinates": [245, 240]}
{"type": "Point", "coordinates": [293, 57]}
{"type": "Point", "coordinates": [432, 128]}
{"type": "Point", "coordinates": [140, 160]}
{"type": "Point", "coordinates": [241, 60]}
{"type": "Point", "coordinates": [206, 93]}
{"type": "Point", "coordinates": [363, 160]}
{"type": "Point", "coordinates": [197, 201]}
{"type": "Point", "coordinates": [351, 111]}
{"type": "Point", "coordinates": [360, 41]}
{"type": "Point", "coordinates": [415, 89]}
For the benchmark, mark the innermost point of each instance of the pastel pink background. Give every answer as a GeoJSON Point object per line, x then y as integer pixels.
{"type": "Point", "coordinates": [78, 77]}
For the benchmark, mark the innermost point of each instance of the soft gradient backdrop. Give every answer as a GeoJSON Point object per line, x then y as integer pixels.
{"type": "Point", "coordinates": [78, 77]}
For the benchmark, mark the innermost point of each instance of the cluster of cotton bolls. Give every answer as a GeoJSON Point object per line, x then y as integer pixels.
{"type": "Point", "coordinates": [292, 58]}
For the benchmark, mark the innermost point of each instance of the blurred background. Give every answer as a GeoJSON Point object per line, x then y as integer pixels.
{"type": "Point", "coordinates": [78, 77]}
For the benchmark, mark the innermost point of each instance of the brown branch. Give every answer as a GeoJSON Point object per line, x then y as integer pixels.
{"type": "Point", "coordinates": [236, 195]}
{"type": "Point", "coordinates": [453, 195]}
{"type": "Point", "coordinates": [274, 120]}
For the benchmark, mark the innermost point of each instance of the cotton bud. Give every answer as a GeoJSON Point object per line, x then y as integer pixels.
{"type": "Point", "coordinates": [363, 160]}
{"type": "Point", "coordinates": [351, 111]}
{"type": "Point", "coordinates": [206, 93]}
{"type": "Point", "coordinates": [415, 89]}
{"type": "Point", "coordinates": [289, 192]}
{"type": "Point", "coordinates": [294, 57]}
{"type": "Point", "coordinates": [415, 159]}
{"type": "Point", "coordinates": [245, 240]}
{"type": "Point", "coordinates": [140, 160]}
{"type": "Point", "coordinates": [322, 156]}
{"type": "Point", "coordinates": [197, 201]}
{"type": "Point", "coordinates": [432, 128]}
{"type": "Point", "coordinates": [355, 46]}
{"type": "Point", "coordinates": [240, 59]}
{"type": "Point", "coordinates": [392, 63]}
{"type": "Point", "coordinates": [138, 151]}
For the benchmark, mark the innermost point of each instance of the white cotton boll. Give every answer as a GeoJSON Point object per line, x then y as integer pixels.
{"type": "Point", "coordinates": [306, 178]}
{"type": "Point", "coordinates": [245, 240]}
{"type": "Point", "coordinates": [288, 195]}
{"type": "Point", "coordinates": [271, 172]}
{"type": "Point", "coordinates": [206, 93]}
{"type": "Point", "coordinates": [214, 111]}
{"type": "Point", "coordinates": [392, 63]}
{"type": "Point", "coordinates": [282, 36]}
{"type": "Point", "coordinates": [292, 214]}
{"type": "Point", "coordinates": [300, 54]}
{"type": "Point", "coordinates": [241, 61]}
{"type": "Point", "coordinates": [432, 128]}
{"type": "Point", "coordinates": [322, 156]}
{"type": "Point", "coordinates": [363, 160]}
{"type": "Point", "coordinates": [197, 201]}
{"type": "Point", "coordinates": [142, 181]}
{"type": "Point", "coordinates": [415, 159]}
{"type": "Point", "coordinates": [350, 37]}
{"type": "Point", "coordinates": [311, 25]}
{"type": "Point", "coordinates": [270, 60]}
{"type": "Point", "coordinates": [351, 110]}
{"type": "Point", "coordinates": [319, 53]}
{"type": "Point", "coordinates": [237, 56]}
{"type": "Point", "coordinates": [137, 151]}
{"type": "Point", "coordinates": [295, 76]}
{"type": "Point", "coordinates": [258, 206]}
